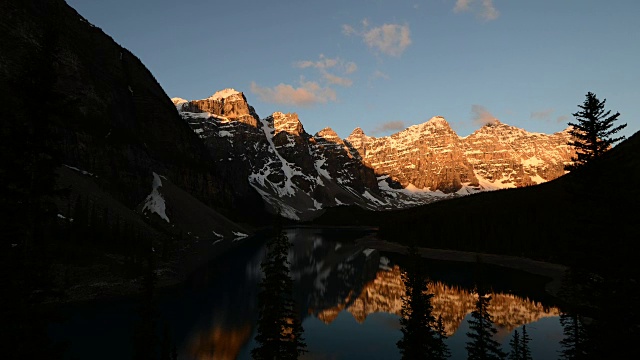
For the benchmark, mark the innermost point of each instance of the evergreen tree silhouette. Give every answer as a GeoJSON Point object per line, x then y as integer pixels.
{"type": "Point", "coordinates": [520, 346]}
{"type": "Point", "coordinates": [592, 131]}
{"type": "Point", "coordinates": [442, 350]}
{"type": "Point", "coordinates": [279, 329]}
{"type": "Point", "coordinates": [481, 345]}
{"type": "Point", "coordinates": [524, 346]}
{"type": "Point", "coordinates": [421, 337]}
{"type": "Point", "coordinates": [574, 342]}
{"type": "Point", "coordinates": [515, 353]}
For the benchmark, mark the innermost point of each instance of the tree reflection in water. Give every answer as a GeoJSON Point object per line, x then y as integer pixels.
{"type": "Point", "coordinates": [422, 335]}
{"type": "Point", "coordinates": [331, 278]}
{"type": "Point", "coordinates": [279, 328]}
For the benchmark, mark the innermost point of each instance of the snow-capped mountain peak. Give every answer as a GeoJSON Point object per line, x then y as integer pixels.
{"type": "Point", "coordinates": [178, 102]}
{"type": "Point", "coordinates": [223, 94]}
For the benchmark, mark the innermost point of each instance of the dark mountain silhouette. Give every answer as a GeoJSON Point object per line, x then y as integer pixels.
{"type": "Point", "coordinates": [130, 175]}
{"type": "Point", "coordinates": [584, 212]}
{"type": "Point", "coordinates": [116, 121]}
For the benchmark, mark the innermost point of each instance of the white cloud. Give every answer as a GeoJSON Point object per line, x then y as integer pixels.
{"type": "Point", "coordinates": [389, 126]}
{"type": "Point", "coordinates": [348, 30]}
{"type": "Point", "coordinates": [323, 63]}
{"type": "Point", "coordinates": [350, 68]}
{"type": "Point", "coordinates": [337, 80]}
{"type": "Point", "coordinates": [307, 94]}
{"type": "Point", "coordinates": [389, 39]}
{"type": "Point", "coordinates": [562, 119]}
{"type": "Point", "coordinates": [481, 116]}
{"type": "Point", "coordinates": [380, 75]}
{"type": "Point", "coordinates": [542, 114]}
{"type": "Point", "coordinates": [487, 10]}
{"type": "Point", "coordinates": [462, 5]}
{"type": "Point", "coordinates": [337, 64]}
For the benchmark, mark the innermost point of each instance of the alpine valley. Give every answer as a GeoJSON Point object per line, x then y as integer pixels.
{"type": "Point", "coordinates": [195, 218]}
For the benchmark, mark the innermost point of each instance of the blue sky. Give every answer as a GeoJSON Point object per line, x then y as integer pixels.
{"type": "Point", "coordinates": [384, 65]}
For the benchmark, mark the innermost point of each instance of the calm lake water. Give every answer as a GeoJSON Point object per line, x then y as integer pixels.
{"type": "Point", "coordinates": [349, 296]}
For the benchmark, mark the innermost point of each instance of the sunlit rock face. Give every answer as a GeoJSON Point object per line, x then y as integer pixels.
{"type": "Point", "coordinates": [427, 156]}
{"type": "Point", "coordinates": [507, 156]}
{"type": "Point", "coordinates": [288, 123]}
{"type": "Point", "coordinates": [432, 156]}
{"type": "Point", "coordinates": [385, 292]}
{"type": "Point", "coordinates": [227, 103]}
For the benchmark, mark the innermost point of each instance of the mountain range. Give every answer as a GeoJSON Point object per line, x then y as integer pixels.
{"type": "Point", "coordinates": [299, 175]}
{"type": "Point", "coordinates": [128, 150]}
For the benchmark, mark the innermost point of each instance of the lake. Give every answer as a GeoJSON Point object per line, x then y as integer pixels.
{"type": "Point", "coordinates": [349, 298]}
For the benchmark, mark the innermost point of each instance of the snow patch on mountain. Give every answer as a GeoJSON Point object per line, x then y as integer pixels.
{"type": "Point", "coordinates": [154, 202]}
{"type": "Point", "coordinates": [223, 94]}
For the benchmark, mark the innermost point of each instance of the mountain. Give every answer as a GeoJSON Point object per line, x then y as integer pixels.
{"type": "Point", "coordinates": [97, 168]}
{"type": "Point", "coordinates": [432, 156]}
{"type": "Point", "coordinates": [103, 111]}
{"type": "Point", "coordinates": [297, 174]}
{"type": "Point", "coordinates": [589, 212]}
{"type": "Point", "coordinates": [300, 175]}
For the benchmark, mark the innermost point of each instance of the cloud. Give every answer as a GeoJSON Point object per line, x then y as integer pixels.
{"type": "Point", "coordinates": [307, 94]}
{"type": "Point", "coordinates": [487, 10]}
{"type": "Point", "coordinates": [389, 39]}
{"type": "Point", "coordinates": [542, 114]}
{"type": "Point", "coordinates": [323, 63]}
{"type": "Point", "coordinates": [389, 126]}
{"type": "Point", "coordinates": [380, 75]}
{"type": "Point", "coordinates": [348, 30]}
{"type": "Point", "coordinates": [562, 119]}
{"type": "Point", "coordinates": [350, 68]}
{"type": "Point", "coordinates": [337, 80]}
{"type": "Point", "coordinates": [481, 116]}
{"type": "Point", "coordinates": [462, 5]}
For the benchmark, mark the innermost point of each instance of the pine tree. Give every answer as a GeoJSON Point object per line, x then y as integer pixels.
{"type": "Point", "coordinates": [420, 339]}
{"type": "Point", "coordinates": [592, 132]}
{"type": "Point", "coordinates": [524, 345]}
{"type": "Point", "coordinates": [481, 344]}
{"type": "Point", "coordinates": [442, 350]}
{"type": "Point", "coordinates": [574, 342]}
{"type": "Point", "coordinates": [515, 353]}
{"type": "Point", "coordinates": [279, 328]}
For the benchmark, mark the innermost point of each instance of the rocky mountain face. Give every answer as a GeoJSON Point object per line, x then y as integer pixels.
{"type": "Point", "coordinates": [298, 175]}
{"type": "Point", "coordinates": [507, 156]}
{"type": "Point", "coordinates": [426, 156]}
{"type": "Point", "coordinates": [433, 157]}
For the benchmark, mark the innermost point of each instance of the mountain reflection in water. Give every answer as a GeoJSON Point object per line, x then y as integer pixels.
{"type": "Point", "coordinates": [339, 277]}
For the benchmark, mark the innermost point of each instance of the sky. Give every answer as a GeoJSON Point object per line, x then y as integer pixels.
{"type": "Point", "coordinates": [384, 65]}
